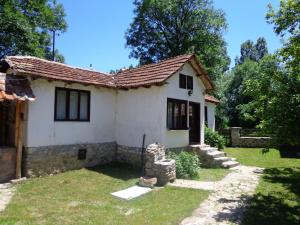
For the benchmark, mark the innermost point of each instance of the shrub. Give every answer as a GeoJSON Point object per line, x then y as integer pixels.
{"type": "Point", "coordinates": [214, 139]}
{"type": "Point", "coordinates": [187, 164]}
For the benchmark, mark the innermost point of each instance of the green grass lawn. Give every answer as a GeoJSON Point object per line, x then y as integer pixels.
{"type": "Point", "coordinates": [277, 198]}
{"type": "Point", "coordinates": [83, 197]}
{"type": "Point", "coordinates": [215, 174]}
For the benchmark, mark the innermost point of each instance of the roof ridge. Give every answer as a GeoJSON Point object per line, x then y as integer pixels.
{"type": "Point", "coordinates": [54, 62]}
{"type": "Point", "coordinates": [153, 64]}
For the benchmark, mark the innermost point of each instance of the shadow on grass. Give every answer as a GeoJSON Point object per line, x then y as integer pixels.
{"type": "Point", "coordinates": [289, 152]}
{"type": "Point", "coordinates": [278, 200]}
{"type": "Point", "coordinates": [117, 170]}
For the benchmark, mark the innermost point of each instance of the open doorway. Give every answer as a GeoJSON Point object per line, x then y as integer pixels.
{"type": "Point", "coordinates": [7, 123]}
{"type": "Point", "coordinates": [194, 122]}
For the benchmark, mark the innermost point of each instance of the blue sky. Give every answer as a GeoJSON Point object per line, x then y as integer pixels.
{"type": "Point", "coordinates": [96, 32]}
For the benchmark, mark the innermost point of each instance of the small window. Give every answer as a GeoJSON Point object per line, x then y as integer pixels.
{"type": "Point", "coordinates": [71, 105]}
{"type": "Point", "coordinates": [185, 82]}
{"type": "Point", "coordinates": [176, 114]}
{"type": "Point", "coordinates": [182, 81]}
{"type": "Point", "coordinates": [189, 82]}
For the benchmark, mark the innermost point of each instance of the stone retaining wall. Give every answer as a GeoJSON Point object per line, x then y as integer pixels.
{"type": "Point", "coordinates": [238, 141]}
{"type": "Point", "coordinates": [39, 161]}
{"type": "Point", "coordinates": [7, 163]}
{"type": "Point", "coordinates": [129, 155]}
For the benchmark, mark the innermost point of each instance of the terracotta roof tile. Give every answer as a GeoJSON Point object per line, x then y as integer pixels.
{"type": "Point", "coordinates": [15, 88]}
{"type": "Point", "coordinates": [212, 99]}
{"type": "Point", "coordinates": [158, 73]}
{"type": "Point", "coordinates": [27, 65]}
{"type": "Point", "coordinates": [147, 75]}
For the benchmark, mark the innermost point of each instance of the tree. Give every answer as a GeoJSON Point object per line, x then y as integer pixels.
{"type": "Point", "coordinates": [166, 28]}
{"type": "Point", "coordinates": [246, 68]}
{"type": "Point", "coordinates": [25, 26]}
{"type": "Point", "coordinates": [287, 24]}
{"type": "Point", "coordinates": [276, 90]}
{"type": "Point", "coordinates": [252, 51]}
{"type": "Point", "coordinates": [236, 97]}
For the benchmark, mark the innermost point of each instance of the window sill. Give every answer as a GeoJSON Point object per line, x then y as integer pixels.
{"type": "Point", "coordinates": [177, 129]}
{"type": "Point", "coordinates": [81, 121]}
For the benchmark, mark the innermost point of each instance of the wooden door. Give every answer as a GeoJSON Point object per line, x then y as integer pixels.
{"type": "Point", "coordinates": [194, 122]}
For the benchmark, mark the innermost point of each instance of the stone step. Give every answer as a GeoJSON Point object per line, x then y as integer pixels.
{"type": "Point", "coordinates": [208, 149]}
{"type": "Point", "coordinates": [216, 154]}
{"type": "Point", "coordinates": [230, 164]}
{"type": "Point", "coordinates": [222, 159]}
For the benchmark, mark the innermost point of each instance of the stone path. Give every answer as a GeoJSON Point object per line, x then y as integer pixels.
{"type": "Point", "coordinates": [229, 199]}
{"type": "Point", "coordinates": [6, 193]}
{"type": "Point", "coordinates": [209, 186]}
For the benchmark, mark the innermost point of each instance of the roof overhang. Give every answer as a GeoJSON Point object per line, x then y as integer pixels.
{"type": "Point", "coordinates": [15, 88]}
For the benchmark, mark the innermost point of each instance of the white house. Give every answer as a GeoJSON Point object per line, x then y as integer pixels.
{"type": "Point", "coordinates": [68, 118]}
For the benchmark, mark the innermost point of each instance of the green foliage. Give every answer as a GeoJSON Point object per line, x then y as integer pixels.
{"type": "Point", "coordinates": [246, 68]}
{"type": "Point", "coordinates": [222, 84]}
{"type": "Point", "coordinates": [26, 27]}
{"type": "Point", "coordinates": [237, 98]}
{"type": "Point", "coordinates": [287, 24]}
{"type": "Point", "coordinates": [167, 28]}
{"type": "Point", "coordinates": [275, 89]}
{"type": "Point", "coordinates": [213, 138]}
{"type": "Point", "coordinates": [187, 164]}
{"type": "Point", "coordinates": [252, 51]}
{"type": "Point", "coordinates": [276, 101]}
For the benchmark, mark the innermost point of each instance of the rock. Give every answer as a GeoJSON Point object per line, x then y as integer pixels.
{"type": "Point", "coordinates": [147, 181]}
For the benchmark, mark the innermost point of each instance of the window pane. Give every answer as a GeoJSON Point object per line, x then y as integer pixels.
{"type": "Point", "coordinates": [73, 114]}
{"type": "Point", "coordinates": [61, 104]}
{"type": "Point", "coordinates": [190, 82]}
{"type": "Point", "coordinates": [169, 115]}
{"type": "Point", "coordinates": [183, 116]}
{"type": "Point", "coordinates": [182, 81]}
{"type": "Point", "coordinates": [84, 106]}
{"type": "Point", "coordinates": [176, 115]}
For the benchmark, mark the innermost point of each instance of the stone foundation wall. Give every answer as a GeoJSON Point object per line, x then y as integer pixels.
{"type": "Point", "coordinates": [39, 161]}
{"type": "Point", "coordinates": [129, 155]}
{"type": "Point", "coordinates": [7, 163]}
{"type": "Point", "coordinates": [238, 141]}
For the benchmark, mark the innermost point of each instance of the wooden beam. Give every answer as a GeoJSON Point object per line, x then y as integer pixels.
{"type": "Point", "coordinates": [19, 134]}
{"type": "Point", "coordinates": [17, 123]}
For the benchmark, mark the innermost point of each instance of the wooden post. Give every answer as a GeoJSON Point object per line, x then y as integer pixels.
{"type": "Point", "coordinates": [19, 137]}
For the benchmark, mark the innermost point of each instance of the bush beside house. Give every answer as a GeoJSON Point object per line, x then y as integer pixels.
{"type": "Point", "coordinates": [214, 139]}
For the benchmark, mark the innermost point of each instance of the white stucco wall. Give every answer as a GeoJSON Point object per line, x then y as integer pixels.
{"type": "Point", "coordinates": [140, 111]}
{"type": "Point", "coordinates": [121, 116]}
{"type": "Point", "coordinates": [175, 138]}
{"type": "Point", "coordinates": [210, 115]}
{"type": "Point", "coordinates": [42, 130]}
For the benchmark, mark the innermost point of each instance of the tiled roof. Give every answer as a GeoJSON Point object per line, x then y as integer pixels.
{"type": "Point", "coordinates": [12, 88]}
{"type": "Point", "coordinates": [158, 73]}
{"type": "Point", "coordinates": [212, 99]}
{"type": "Point", "coordinates": [27, 65]}
{"type": "Point", "coordinates": [147, 75]}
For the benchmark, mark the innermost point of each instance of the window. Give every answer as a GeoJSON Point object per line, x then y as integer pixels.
{"type": "Point", "coordinates": [176, 114]}
{"type": "Point", "coordinates": [185, 82]}
{"type": "Point", "coordinates": [206, 120]}
{"type": "Point", "coordinates": [71, 105]}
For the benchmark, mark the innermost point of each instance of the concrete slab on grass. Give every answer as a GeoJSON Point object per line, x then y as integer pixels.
{"type": "Point", "coordinates": [132, 192]}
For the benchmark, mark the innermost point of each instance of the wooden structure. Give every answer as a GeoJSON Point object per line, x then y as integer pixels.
{"type": "Point", "coordinates": [15, 92]}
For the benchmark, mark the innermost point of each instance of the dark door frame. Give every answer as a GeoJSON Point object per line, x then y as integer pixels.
{"type": "Point", "coordinates": [194, 123]}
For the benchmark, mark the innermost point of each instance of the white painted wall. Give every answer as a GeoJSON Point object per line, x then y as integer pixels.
{"type": "Point", "coordinates": [210, 115]}
{"type": "Point", "coordinates": [174, 138]}
{"type": "Point", "coordinates": [140, 111]}
{"type": "Point", "coordinates": [42, 130]}
{"type": "Point", "coordinates": [121, 116]}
